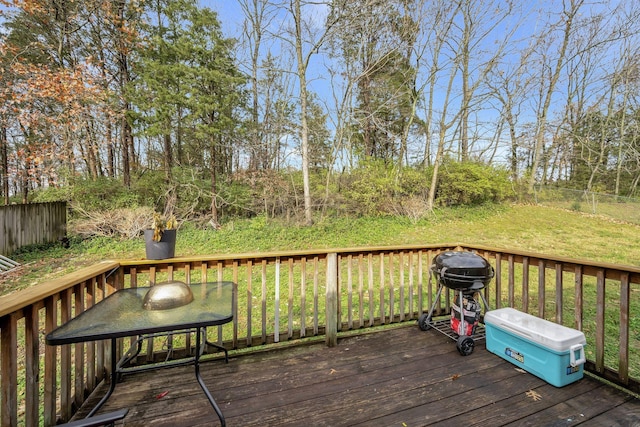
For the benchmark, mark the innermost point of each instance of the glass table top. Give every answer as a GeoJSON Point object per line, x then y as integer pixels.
{"type": "Point", "coordinates": [121, 314]}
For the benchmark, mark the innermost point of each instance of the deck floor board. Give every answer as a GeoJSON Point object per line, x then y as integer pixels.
{"type": "Point", "coordinates": [397, 377]}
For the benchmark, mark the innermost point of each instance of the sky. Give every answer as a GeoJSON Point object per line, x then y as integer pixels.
{"type": "Point", "coordinates": [229, 13]}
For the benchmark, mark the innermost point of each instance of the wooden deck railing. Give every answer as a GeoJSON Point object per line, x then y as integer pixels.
{"type": "Point", "coordinates": [290, 296]}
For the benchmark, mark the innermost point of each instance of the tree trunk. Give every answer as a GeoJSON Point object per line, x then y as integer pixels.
{"type": "Point", "coordinates": [127, 141]}
{"type": "Point", "coordinates": [254, 12]}
{"type": "Point", "coordinates": [4, 164]}
{"type": "Point", "coordinates": [466, 91]}
{"type": "Point", "coordinates": [124, 77]}
{"type": "Point", "coordinates": [168, 157]}
{"type": "Point", "coordinates": [513, 158]}
{"type": "Point", "coordinates": [444, 127]}
{"type": "Point", "coordinates": [214, 183]}
{"type": "Point", "coordinates": [111, 167]}
{"type": "Point", "coordinates": [304, 127]}
{"type": "Point", "coordinates": [436, 166]}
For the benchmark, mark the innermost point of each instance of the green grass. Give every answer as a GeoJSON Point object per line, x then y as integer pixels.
{"type": "Point", "coordinates": [628, 211]}
{"type": "Point", "coordinates": [539, 229]}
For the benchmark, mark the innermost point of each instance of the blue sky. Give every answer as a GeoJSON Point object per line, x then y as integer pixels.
{"type": "Point", "coordinates": [229, 13]}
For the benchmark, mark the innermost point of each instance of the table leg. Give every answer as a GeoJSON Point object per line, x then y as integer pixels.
{"type": "Point", "coordinates": [219, 347]}
{"type": "Point", "coordinates": [201, 381]}
{"type": "Point", "coordinates": [114, 379]}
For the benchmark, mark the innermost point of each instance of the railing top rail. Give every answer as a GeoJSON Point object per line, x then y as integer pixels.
{"type": "Point", "coordinates": [380, 249]}
{"type": "Point", "coordinates": [280, 254]}
{"type": "Point", "coordinates": [26, 297]}
{"type": "Point", "coordinates": [634, 270]}
{"type": "Point", "coordinates": [284, 254]}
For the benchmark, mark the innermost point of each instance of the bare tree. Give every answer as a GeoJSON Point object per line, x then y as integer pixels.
{"type": "Point", "coordinates": [567, 21]}
{"type": "Point", "coordinates": [627, 80]}
{"type": "Point", "coordinates": [259, 15]}
{"type": "Point", "coordinates": [468, 62]}
{"type": "Point", "coordinates": [443, 128]}
{"type": "Point", "coordinates": [314, 41]}
{"type": "Point", "coordinates": [303, 64]}
{"type": "Point", "coordinates": [509, 86]}
{"type": "Point", "coordinates": [434, 40]}
{"type": "Point", "coordinates": [4, 163]}
{"type": "Point", "coordinates": [480, 21]}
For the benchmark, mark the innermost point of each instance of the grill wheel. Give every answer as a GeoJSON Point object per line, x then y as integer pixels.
{"type": "Point", "coordinates": [465, 345]}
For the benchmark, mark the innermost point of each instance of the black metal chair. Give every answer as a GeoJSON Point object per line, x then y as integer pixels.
{"type": "Point", "coordinates": [107, 419]}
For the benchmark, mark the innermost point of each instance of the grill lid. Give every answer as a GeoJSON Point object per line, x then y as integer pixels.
{"type": "Point", "coordinates": [462, 270]}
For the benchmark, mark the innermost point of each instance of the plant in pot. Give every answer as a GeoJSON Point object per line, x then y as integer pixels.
{"type": "Point", "coordinates": [160, 239]}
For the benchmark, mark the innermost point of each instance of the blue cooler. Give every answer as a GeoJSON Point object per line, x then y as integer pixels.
{"type": "Point", "coordinates": [550, 351]}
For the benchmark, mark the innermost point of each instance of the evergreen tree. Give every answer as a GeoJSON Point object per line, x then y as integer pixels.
{"type": "Point", "coordinates": [376, 38]}
{"type": "Point", "coordinates": [187, 89]}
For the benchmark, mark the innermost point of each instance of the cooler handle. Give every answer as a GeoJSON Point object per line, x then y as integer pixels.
{"type": "Point", "coordinates": [572, 356]}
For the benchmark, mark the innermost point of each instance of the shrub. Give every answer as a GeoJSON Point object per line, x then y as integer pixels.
{"type": "Point", "coordinates": [101, 194]}
{"type": "Point", "coordinates": [415, 182]}
{"type": "Point", "coordinates": [150, 188]}
{"type": "Point", "coordinates": [86, 195]}
{"type": "Point", "coordinates": [368, 189]}
{"type": "Point", "coordinates": [269, 192]}
{"type": "Point", "coordinates": [192, 190]}
{"type": "Point", "coordinates": [412, 207]}
{"type": "Point", "coordinates": [471, 183]}
{"type": "Point", "coordinates": [123, 222]}
{"type": "Point", "coordinates": [50, 194]}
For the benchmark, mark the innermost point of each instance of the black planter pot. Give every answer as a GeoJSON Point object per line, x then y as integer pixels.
{"type": "Point", "coordinates": [165, 248]}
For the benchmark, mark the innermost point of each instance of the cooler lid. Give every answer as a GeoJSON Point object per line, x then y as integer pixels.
{"type": "Point", "coordinates": [548, 334]}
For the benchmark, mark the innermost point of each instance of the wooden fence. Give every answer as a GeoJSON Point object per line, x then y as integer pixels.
{"type": "Point", "coordinates": [29, 224]}
{"type": "Point", "coordinates": [290, 296]}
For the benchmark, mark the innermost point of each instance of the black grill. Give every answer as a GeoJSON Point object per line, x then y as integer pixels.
{"type": "Point", "coordinates": [467, 273]}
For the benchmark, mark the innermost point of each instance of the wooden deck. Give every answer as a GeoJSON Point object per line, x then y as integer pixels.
{"type": "Point", "coordinates": [397, 377]}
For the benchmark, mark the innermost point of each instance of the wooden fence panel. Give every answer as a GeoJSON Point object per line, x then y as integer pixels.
{"type": "Point", "coordinates": [30, 224]}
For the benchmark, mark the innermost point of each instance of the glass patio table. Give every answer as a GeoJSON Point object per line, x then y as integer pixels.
{"type": "Point", "coordinates": [121, 314]}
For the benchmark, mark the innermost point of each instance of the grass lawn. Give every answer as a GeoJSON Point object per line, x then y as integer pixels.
{"type": "Point", "coordinates": [539, 229]}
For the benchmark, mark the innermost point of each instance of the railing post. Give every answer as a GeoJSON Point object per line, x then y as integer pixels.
{"type": "Point", "coordinates": [9, 365]}
{"type": "Point", "coordinates": [331, 300]}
